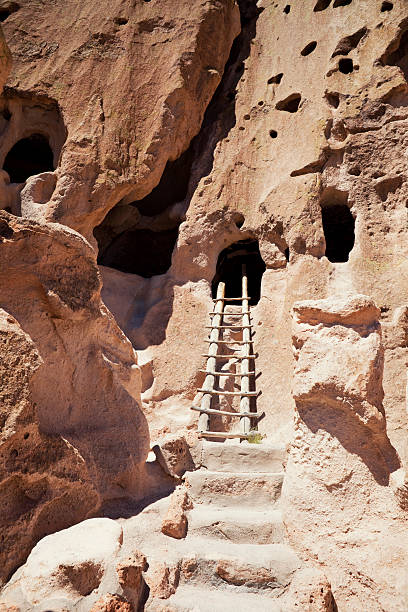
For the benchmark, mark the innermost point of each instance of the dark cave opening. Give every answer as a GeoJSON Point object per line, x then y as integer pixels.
{"type": "Point", "coordinates": [141, 251]}
{"type": "Point", "coordinates": [29, 156]}
{"type": "Point", "coordinates": [229, 270]}
{"type": "Point", "coordinates": [399, 57]}
{"type": "Point", "coordinates": [8, 9]}
{"type": "Point", "coordinates": [338, 228]}
{"type": "Point", "coordinates": [139, 237]}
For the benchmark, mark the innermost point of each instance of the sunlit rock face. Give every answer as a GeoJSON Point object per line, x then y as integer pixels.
{"type": "Point", "coordinates": [140, 149]}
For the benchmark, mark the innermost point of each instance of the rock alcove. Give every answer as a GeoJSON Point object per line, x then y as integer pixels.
{"type": "Point", "coordinates": [139, 236]}
{"type": "Point", "coordinates": [338, 227]}
{"type": "Point", "coordinates": [29, 156]}
{"type": "Point", "coordinates": [229, 270]}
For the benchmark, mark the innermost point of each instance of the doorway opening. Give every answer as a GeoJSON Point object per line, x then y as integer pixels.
{"type": "Point", "coordinates": [229, 270]}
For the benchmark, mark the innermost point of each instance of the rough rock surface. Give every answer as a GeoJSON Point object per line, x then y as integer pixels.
{"type": "Point", "coordinates": [341, 460]}
{"type": "Point", "coordinates": [73, 433]}
{"type": "Point", "coordinates": [147, 137]}
{"type": "Point", "coordinates": [175, 522]}
{"type": "Point", "coordinates": [79, 568]}
{"type": "Point", "coordinates": [120, 128]}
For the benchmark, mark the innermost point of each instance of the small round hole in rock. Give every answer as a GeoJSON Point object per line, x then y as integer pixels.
{"type": "Point", "coordinates": [341, 3]}
{"type": "Point", "coordinates": [6, 114]}
{"type": "Point", "coordinates": [386, 6]}
{"type": "Point", "coordinates": [309, 48]}
{"type": "Point", "coordinates": [286, 10]}
{"type": "Point", "coordinates": [239, 220]}
{"type": "Point", "coordinates": [333, 99]}
{"type": "Point", "coordinates": [273, 133]}
{"type": "Point", "coordinates": [121, 21]}
{"type": "Point", "coordinates": [26, 435]}
{"type": "Point", "coordinates": [346, 65]}
{"type": "Point", "coordinates": [275, 79]}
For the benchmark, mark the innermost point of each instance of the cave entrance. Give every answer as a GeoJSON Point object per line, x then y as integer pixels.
{"type": "Point", "coordinates": [338, 228]}
{"type": "Point", "coordinates": [229, 270]}
{"type": "Point", "coordinates": [140, 251]}
{"type": "Point", "coordinates": [29, 156]}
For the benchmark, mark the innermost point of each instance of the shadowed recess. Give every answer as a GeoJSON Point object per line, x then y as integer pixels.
{"type": "Point", "coordinates": [229, 270]}
{"type": "Point", "coordinates": [141, 251]}
{"type": "Point", "coordinates": [309, 48]}
{"type": "Point", "coordinates": [289, 104]}
{"type": "Point", "coordinates": [346, 65]}
{"type": "Point", "coordinates": [386, 6]}
{"type": "Point", "coordinates": [28, 157]}
{"type": "Point", "coordinates": [399, 55]}
{"type": "Point", "coordinates": [172, 188]}
{"type": "Point", "coordinates": [338, 227]}
{"type": "Point", "coordinates": [321, 5]}
{"type": "Point", "coordinates": [348, 43]}
{"type": "Point", "coordinates": [8, 9]}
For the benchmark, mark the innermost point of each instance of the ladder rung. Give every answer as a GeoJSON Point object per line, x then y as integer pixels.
{"type": "Point", "coordinates": [226, 373]}
{"type": "Point", "coordinates": [222, 434]}
{"type": "Point", "coordinates": [230, 356]}
{"type": "Point", "coordinates": [230, 341]}
{"type": "Point", "coordinates": [231, 299]}
{"type": "Point", "coordinates": [252, 415]}
{"type": "Point", "coordinates": [228, 326]}
{"type": "Point", "coordinates": [230, 314]}
{"type": "Point", "coordinates": [235, 393]}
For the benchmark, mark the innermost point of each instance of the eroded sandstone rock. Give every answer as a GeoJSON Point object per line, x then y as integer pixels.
{"type": "Point", "coordinates": [68, 565]}
{"type": "Point", "coordinates": [71, 436]}
{"type": "Point", "coordinates": [173, 454]}
{"type": "Point", "coordinates": [162, 580]}
{"type": "Point", "coordinates": [175, 522]}
{"type": "Point", "coordinates": [341, 460]}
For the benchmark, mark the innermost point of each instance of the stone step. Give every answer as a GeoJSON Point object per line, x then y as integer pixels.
{"type": "Point", "coordinates": [236, 524]}
{"type": "Point", "coordinates": [265, 568]}
{"type": "Point", "coordinates": [244, 489]}
{"type": "Point", "coordinates": [195, 599]}
{"type": "Point", "coordinates": [242, 457]}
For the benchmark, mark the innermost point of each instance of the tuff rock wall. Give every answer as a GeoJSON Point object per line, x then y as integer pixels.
{"type": "Point", "coordinates": [238, 121]}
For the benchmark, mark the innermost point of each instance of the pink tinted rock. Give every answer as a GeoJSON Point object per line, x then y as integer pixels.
{"type": "Point", "coordinates": [173, 454]}
{"type": "Point", "coordinates": [175, 522]}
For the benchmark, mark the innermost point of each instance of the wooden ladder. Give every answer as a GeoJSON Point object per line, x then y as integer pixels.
{"type": "Point", "coordinates": [247, 366]}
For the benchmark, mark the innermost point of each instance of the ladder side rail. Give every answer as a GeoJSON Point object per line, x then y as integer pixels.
{"type": "Point", "coordinates": [244, 407]}
{"type": "Point", "coordinates": [209, 382]}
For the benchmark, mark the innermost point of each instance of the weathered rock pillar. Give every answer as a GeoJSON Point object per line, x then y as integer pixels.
{"type": "Point", "coordinates": [337, 494]}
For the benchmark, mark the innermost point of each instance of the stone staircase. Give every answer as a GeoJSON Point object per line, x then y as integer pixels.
{"type": "Point", "coordinates": [234, 556]}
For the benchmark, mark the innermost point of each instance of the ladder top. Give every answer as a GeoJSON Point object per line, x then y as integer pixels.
{"type": "Point", "coordinates": [230, 356]}
{"type": "Point", "coordinates": [229, 341]}
{"type": "Point", "coordinates": [232, 299]}
{"type": "Point", "coordinates": [230, 314]}
{"type": "Point", "coordinates": [239, 374]}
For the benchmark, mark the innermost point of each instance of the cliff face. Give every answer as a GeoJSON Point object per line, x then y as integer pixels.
{"type": "Point", "coordinates": [138, 141]}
